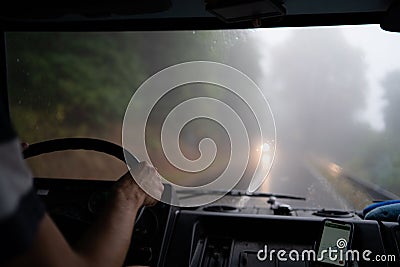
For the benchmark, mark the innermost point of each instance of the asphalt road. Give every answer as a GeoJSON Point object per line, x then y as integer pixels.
{"type": "Point", "coordinates": [299, 179]}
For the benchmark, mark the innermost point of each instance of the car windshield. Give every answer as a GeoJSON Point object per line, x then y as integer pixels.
{"type": "Point", "coordinates": [332, 92]}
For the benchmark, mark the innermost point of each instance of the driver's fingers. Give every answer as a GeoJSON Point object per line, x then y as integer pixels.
{"type": "Point", "coordinates": [148, 180]}
{"type": "Point", "coordinates": [145, 178]}
{"type": "Point", "coordinates": [154, 196]}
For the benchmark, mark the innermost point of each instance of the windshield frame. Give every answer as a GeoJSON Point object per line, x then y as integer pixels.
{"type": "Point", "coordinates": [6, 97]}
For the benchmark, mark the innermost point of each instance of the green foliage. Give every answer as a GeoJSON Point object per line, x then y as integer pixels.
{"type": "Point", "coordinates": [71, 77]}
{"type": "Point", "coordinates": [79, 84]}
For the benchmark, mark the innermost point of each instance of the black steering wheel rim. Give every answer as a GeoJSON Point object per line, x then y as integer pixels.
{"type": "Point", "coordinates": [79, 143]}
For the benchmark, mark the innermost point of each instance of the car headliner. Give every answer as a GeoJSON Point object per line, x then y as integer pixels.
{"type": "Point", "coordinates": [186, 15]}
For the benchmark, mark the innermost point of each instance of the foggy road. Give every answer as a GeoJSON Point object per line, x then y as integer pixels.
{"type": "Point", "coordinates": [296, 178]}
{"type": "Point", "coordinates": [302, 180]}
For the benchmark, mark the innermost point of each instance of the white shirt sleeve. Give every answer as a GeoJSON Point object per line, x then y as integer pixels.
{"type": "Point", "coordinates": [15, 177]}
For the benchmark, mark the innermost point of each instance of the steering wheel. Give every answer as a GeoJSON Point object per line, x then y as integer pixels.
{"type": "Point", "coordinates": [97, 145]}
{"type": "Point", "coordinates": [82, 144]}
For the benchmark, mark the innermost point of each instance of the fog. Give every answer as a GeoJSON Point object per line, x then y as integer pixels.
{"type": "Point", "coordinates": [317, 83]}
{"type": "Point", "coordinates": [334, 99]}
{"type": "Point", "coordinates": [333, 93]}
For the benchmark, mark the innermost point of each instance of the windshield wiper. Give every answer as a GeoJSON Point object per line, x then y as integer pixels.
{"type": "Point", "coordinates": [234, 193]}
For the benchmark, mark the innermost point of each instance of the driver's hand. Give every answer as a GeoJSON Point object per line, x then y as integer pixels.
{"type": "Point", "coordinates": [145, 189]}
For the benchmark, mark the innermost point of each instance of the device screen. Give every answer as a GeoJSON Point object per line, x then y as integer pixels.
{"type": "Point", "coordinates": [334, 243]}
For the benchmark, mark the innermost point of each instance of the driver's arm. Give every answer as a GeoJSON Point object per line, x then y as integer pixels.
{"type": "Point", "coordinates": [107, 241]}
{"type": "Point", "coordinates": [30, 238]}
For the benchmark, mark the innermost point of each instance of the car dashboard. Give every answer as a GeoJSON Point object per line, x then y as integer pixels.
{"type": "Point", "coordinates": [212, 235]}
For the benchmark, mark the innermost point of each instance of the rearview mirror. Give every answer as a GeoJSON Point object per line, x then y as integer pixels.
{"type": "Point", "coordinates": [245, 10]}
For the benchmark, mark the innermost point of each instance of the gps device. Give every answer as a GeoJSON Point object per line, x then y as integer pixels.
{"type": "Point", "coordinates": [335, 241]}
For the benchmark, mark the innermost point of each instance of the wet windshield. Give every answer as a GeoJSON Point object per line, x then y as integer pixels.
{"type": "Point", "coordinates": [332, 93]}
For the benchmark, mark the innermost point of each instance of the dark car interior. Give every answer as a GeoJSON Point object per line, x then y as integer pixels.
{"type": "Point", "coordinates": [214, 234]}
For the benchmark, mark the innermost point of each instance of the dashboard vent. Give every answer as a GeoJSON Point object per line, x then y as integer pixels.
{"type": "Point", "coordinates": [221, 208]}
{"type": "Point", "coordinates": [333, 213]}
